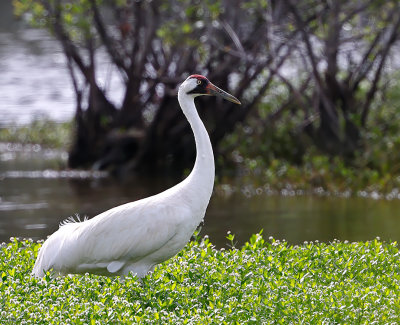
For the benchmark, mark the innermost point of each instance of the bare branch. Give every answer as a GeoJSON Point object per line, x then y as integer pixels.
{"type": "Point", "coordinates": [229, 30]}
{"type": "Point", "coordinates": [372, 91]}
{"type": "Point", "coordinates": [369, 58]}
{"type": "Point", "coordinates": [106, 39]}
{"type": "Point", "coordinates": [311, 55]}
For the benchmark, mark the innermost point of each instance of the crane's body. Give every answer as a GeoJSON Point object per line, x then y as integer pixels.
{"type": "Point", "coordinates": [136, 236]}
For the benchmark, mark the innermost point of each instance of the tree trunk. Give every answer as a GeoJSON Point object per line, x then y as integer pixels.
{"type": "Point", "coordinates": [92, 127]}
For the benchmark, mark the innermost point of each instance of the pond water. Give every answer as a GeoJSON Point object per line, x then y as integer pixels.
{"type": "Point", "coordinates": [35, 196]}
{"type": "Point", "coordinates": [34, 80]}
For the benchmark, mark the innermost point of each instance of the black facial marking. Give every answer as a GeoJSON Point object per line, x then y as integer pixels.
{"type": "Point", "coordinates": [201, 87]}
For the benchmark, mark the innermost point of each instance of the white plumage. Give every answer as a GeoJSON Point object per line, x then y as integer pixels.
{"type": "Point", "coordinates": [136, 236]}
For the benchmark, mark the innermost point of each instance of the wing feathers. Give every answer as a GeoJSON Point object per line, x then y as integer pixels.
{"type": "Point", "coordinates": [130, 237]}
{"type": "Point", "coordinates": [115, 266]}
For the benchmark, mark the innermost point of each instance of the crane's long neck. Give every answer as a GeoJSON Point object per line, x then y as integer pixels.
{"type": "Point", "coordinates": [203, 173]}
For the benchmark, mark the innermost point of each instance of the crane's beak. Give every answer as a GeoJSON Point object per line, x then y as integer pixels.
{"type": "Point", "coordinates": [213, 90]}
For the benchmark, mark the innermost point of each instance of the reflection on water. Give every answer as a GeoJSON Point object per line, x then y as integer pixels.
{"type": "Point", "coordinates": [308, 218]}
{"type": "Point", "coordinates": [35, 196]}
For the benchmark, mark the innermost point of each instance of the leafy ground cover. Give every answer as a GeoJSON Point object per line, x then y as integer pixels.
{"type": "Point", "coordinates": [264, 282]}
{"type": "Point", "coordinates": [44, 132]}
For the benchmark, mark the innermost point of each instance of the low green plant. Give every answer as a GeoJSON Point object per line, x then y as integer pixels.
{"type": "Point", "coordinates": [41, 131]}
{"type": "Point", "coordinates": [264, 282]}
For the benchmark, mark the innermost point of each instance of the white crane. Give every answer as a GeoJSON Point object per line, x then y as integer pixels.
{"type": "Point", "coordinates": [136, 236]}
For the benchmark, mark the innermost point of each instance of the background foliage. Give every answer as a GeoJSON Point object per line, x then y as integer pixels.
{"type": "Point", "coordinates": [317, 80]}
{"type": "Point", "coordinates": [315, 69]}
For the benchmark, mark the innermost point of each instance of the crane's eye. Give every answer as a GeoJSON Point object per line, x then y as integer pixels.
{"type": "Point", "coordinates": [199, 81]}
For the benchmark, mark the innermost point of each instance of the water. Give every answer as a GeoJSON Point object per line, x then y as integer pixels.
{"type": "Point", "coordinates": [30, 61]}
{"type": "Point", "coordinates": [34, 79]}
{"type": "Point", "coordinates": [35, 196]}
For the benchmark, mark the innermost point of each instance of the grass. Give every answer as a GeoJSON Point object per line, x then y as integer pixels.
{"type": "Point", "coordinates": [268, 282]}
{"type": "Point", "coordinates": [44, 132]}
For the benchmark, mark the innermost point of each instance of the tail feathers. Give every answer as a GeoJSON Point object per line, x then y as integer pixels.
{"type": "Point", "coordinates": [73, 219]}
{"type": "Point", "coordinates": [46, 261]}
{"type": "Point", "coordinates": [57, 252]}
{"type": "Point", "coordinates": [39, 269]}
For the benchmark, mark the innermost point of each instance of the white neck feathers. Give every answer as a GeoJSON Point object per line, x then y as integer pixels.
{"type": "Point", "coordinates": [203, 173]}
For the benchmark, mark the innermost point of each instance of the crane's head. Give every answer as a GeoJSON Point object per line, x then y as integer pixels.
{"type": "Point", "coordinates": [198, 85]}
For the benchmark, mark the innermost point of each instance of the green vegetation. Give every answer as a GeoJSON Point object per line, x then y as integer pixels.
{"type": "Point", "coordinates": [275, 154]}
{"type": "Point", "coordinates": [316, 69]}
{"type": "Point", "coordinates": [44, 132]}
{"type": "Point", "coordinates": [263, 282]}
{"type": "Point", "coordinates": [279, 154]}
